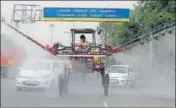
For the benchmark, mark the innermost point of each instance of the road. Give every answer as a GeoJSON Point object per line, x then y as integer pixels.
{"type": "Point", "coordinates": [88, 94]}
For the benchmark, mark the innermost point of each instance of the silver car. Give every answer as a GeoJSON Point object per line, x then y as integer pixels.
{"type": "Point", "coordinates": [121, 75]}
{"type": "Point", "coordinates": [35, 74]}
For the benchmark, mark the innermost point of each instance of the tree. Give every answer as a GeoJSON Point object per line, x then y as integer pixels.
{"type": "Point", "coordinates": [146, 16]}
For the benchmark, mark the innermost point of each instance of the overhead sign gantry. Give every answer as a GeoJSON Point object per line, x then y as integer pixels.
{"type": "Point", "coordinates": [86, 14]}
{"type": "Point", "coordinates": [30, 13]}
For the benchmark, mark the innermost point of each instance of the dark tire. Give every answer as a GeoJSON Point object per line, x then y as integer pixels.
{"type": "Point", "coordinates": [106, 85]}
{"type": "Point", "coordinates": [66, 81]}
{"type": "Point", "coordinates": [106, 90]}
{"type": "Point", "coordinates": [61, 86]}
{"type": "Point", "coordinates": [63, 83]}
{"type": "Point", "coordinates": [66, 86]}
{"type": "Point", "coordinates": [102, 77]}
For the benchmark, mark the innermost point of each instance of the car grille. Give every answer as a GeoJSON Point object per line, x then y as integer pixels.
{"type": "Point", "coordinates": [114, 81]}
{"type": "Point", "coordinates": [27, 83]}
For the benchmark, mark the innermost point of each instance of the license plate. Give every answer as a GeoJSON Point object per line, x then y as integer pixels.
{"type": "Point", "coordinates": [114, 81]}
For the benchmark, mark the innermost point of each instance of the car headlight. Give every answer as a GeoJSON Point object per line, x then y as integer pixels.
{"type": "Point", "coordinates": [20, 79]}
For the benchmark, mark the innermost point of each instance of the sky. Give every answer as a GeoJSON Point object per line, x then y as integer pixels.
{"type": "Point", "coordinates": [41, 31]}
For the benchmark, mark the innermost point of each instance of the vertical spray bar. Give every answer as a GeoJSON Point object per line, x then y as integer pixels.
{"type": "Point", "coordinates": [151, 50]}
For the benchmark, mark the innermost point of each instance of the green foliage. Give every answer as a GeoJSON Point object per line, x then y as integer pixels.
{"type": "Point", "coordinates": [146, 16]}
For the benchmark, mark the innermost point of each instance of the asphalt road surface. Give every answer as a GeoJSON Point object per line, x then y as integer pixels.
{"type": "Point", "coordinates": [88, 94]}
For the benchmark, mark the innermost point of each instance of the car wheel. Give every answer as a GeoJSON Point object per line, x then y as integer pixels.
{"type": "Point", "coordinates": [106, 84]}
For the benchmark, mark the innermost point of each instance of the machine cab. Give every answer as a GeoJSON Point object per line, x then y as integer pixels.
{"type": "Point", "coordinates": [83, 31]}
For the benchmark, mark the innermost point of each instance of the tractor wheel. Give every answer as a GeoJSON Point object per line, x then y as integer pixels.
{"type": "Point", "coordinates": [66, 85]}
{"type": "Point", "coordinates": [102, 77]}
{"type": "Point", "coordinates": [106, 85]}
{"type": "Point", "coordinates": [61, 85]}
{"type": "Point", "coordinates": [105, 82]}
{"type": "Point", "coordinates": [67, 78]}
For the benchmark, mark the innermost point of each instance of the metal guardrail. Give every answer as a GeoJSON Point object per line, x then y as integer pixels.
{"type": "Point", "coordinates": [147, 35]}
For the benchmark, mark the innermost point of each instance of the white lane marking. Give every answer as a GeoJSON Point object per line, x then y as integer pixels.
{"type": "Point", "coordinates": [105, 104]}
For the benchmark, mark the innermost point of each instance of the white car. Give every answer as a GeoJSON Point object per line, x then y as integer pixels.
{"type": "Point", "coordinates": [121, 75]}
{"type": "Point", "coordinates": [35, 74]}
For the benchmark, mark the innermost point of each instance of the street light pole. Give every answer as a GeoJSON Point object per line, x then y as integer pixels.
{"type": "Point", "coordinates": [51, 36]}
{"type": "Point", "coordinates": [151, 51]}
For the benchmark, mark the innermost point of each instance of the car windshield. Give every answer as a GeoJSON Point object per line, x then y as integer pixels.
{"type": "Point", "coordinates": [37, 65]}
{"type": "Point", "coordinates": [117, 69]}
